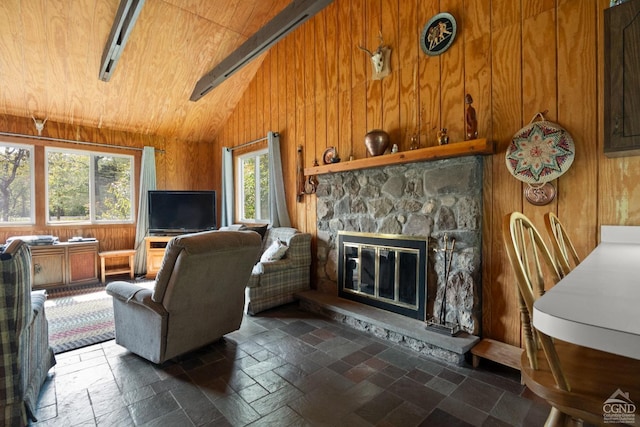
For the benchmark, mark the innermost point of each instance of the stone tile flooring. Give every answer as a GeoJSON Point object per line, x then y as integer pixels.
{"type": "Point", "coordinates": [284, 367]}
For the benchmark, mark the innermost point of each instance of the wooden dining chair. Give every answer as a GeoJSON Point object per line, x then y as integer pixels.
{"type": "Point", "coordinates": [575, 380]}
{"type": "Point", "coordinates": [563, 248]}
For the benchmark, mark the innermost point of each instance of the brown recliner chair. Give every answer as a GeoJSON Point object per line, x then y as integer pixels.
{"type": "Point", "coordinates": [198, 295]}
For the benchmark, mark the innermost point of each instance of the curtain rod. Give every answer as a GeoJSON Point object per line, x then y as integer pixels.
{"type": "Point", "coordinates": [73, 141]}
{"type": "Point", "coordinates": [251, 142]}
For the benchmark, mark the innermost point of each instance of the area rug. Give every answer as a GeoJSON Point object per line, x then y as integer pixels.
{"type": "Point", "coordinates": [79, 317]}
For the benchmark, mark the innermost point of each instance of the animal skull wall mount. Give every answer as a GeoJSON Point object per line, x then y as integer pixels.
{"type": "Point", "coordinates": [39, 123]}
{"type": "Point", "coordinates": [380, 60]}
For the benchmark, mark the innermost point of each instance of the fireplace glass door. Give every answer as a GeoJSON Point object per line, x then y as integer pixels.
{"type": "Point", "coordinates": [384, 275]}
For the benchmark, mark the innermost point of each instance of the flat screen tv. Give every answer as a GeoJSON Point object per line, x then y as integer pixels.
{"type": "Point", "coordinates": [179, 212]}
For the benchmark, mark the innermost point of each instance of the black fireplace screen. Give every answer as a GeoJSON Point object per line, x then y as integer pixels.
{"type": "Point", "coordinates": [385, 271]}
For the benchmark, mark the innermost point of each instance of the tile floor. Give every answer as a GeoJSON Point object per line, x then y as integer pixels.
{"type": "Point", "coordinates": [285, 367]}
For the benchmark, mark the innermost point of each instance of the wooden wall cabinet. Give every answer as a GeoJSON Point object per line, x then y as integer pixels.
{"type": "Point", "coordinates": [155, 253]}
{"type": "Point", "coordinates": [622, 80]}
{"type": "Point", "coordinates": [64, 264]}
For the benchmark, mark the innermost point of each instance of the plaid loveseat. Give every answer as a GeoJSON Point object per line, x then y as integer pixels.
{"type": "Point", "coordinates": [274, 283]}
{"type": "Point", "coordinates": [25, 355]}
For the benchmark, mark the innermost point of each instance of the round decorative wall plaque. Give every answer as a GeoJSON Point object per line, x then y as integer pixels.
{"type": "Point", "coordinates": [539, 153]}
{"type": "Point", "coordinates": [540, 195]}
{"type": "Point", "coordinates": [330, 155]}
{"type": "Point", "coordinates": [438, 34]}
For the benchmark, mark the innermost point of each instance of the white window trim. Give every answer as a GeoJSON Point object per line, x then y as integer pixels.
{"type": "Point", "coordinates": [240, 189]}
{"type": "Point", "coordinates": [92, 196]}
{"type": "Point", "coordinates": [32, 219]}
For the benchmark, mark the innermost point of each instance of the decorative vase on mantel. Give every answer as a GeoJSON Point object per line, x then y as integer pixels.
{"type": "Point", "coordinates": [376, 142]}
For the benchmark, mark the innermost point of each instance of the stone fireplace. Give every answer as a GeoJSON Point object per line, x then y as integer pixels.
{"type": "Point", "coordinates": [428, 199]}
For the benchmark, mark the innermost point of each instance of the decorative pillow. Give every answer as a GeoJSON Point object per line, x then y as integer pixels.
{"type": "Point", "coordinates": [274, 252]}
{"type": "Point", "coordinates": [260, 229]}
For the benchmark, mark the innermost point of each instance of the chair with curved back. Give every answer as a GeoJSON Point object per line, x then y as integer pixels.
{"type": "Point", "coordinates": [563, 247]}
{"type": "Point", "coordinates": [575, 380]}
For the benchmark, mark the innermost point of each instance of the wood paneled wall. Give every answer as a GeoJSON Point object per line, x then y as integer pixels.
{"type": "Point", "coordinates": [182, 166]}
{"type": "Point", "coordinates": [514, 58]}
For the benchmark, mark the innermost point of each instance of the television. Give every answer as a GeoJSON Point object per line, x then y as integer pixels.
{"type": "Point", "coordinates": [180, 212]}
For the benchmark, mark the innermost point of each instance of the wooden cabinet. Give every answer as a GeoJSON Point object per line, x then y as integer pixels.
{"type": "Point", "coordinates": [82, 263]}
{"type": "Point", "coordinates": [155, 253]}
{"type": "Point", "coordinates": [622, 80]}
{"type": "Point", "coordinates": [47, 266]}
{"type": "Point", "coordinates": [64, 264]}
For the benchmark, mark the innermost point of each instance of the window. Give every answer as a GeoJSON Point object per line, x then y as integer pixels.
{"type": "Point", "coordinates": [88, 187]}
{"type": "Point", "coordinates": [253, 189]}
{"type": "Point", "coordinates": [16, 184]}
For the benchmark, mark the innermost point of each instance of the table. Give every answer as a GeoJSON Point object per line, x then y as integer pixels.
{"type": "Point", "coordinates": [106, 270]}
{"type": "Point", "coordinates": [597, 305]}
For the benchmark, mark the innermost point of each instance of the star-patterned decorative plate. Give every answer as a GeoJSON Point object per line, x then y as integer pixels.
{"type": "Point", "coordinates": [540, 152]}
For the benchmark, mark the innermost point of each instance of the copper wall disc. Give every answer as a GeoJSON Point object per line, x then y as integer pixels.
{"type": "Point", "coordinates": [540, 195]}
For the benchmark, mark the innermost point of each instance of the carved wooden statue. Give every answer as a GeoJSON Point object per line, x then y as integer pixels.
{"type": "Point", "coordinates": [470, 119]}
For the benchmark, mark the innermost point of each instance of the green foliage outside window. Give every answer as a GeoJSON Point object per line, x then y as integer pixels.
{"type": "Point", "coordinates": [255, 192]}
{"type": "Point", "coordinates": [73, 175]}
{"type": "Point", "coordinates": [15, 185]}
{"type": "Point", "coordinates": [81, 186]}
{"type": "Point", "coordinates": [113, 188]}
{"type": "Point", "coordinates": [68, 186]}
{"type": "Point", "coordinates": [249, 183]}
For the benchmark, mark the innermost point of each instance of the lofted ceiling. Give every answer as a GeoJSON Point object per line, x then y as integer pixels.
{"type": "Point", "coordinates": [50, 52]}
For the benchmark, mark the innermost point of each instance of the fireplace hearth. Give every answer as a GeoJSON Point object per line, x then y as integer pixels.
{"type": "Point", "coordinates": [426, 201]}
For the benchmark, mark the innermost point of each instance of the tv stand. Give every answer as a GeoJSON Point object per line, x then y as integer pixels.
{"type": "Point", "coordinates": [168, 234]}
{"type": "Point", "coordinates": [155, 253]}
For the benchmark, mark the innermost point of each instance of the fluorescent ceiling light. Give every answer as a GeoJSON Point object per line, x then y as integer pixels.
{"type": "Point", "coordinates": [126, 17]}
{"type": "Point", "coordinates": [286, 21]}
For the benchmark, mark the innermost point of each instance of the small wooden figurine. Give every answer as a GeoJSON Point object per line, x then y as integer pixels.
{"type": "Point", "coordinates": [470, 119]}
{"type": "Point", "coordinates": [443, 138]}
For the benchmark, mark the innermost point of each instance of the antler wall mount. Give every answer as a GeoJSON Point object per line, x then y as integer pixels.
{"type": "Point", "coordinates": [39, 124]}
{"type": "Point", "coordinates": [380, 59]}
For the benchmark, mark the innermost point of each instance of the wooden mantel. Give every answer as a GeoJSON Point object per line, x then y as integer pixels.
{"type": "Point", "coordinates": [455, 149]}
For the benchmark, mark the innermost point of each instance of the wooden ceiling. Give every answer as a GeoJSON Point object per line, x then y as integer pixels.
{"type": "Point", "coordinates": [50, 52]}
